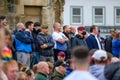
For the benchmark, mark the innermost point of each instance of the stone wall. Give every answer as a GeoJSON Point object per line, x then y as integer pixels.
{"type": "Point", "coordinates": [44, 11]}
{"type": "Point", "coordinates": [36, 2]}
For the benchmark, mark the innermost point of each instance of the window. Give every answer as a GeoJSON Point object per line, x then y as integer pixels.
{"type": "Point", "coordinates": [117, 16]}
{"type": "Point", "coordinates": [11, 6]}
{"type": "Point", "coordinates": [99, 15]}
{"type": "Point", "coordinates": [76, 15]}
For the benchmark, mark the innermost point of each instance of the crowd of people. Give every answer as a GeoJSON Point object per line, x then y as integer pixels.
{"type": "Point", "coordinates": [30, 53]}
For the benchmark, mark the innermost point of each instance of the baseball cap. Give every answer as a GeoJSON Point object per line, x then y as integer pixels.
{"type": "Point", "coordinates": [61, 53]}
{"type": "Point", "coordinates": [60, 63]}
{"type": "Point", "coordinates": [37, 24]}
{"type": "Point", "coordinates": [99, 54]}
{"type": "Point", "coordinates": [81, 28]}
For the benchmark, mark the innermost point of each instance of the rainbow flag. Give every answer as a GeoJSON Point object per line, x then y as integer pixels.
{"type": "Point", "coordinates": [7, 54]}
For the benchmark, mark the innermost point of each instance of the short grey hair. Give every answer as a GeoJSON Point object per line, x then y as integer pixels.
{"type": "Point", "coordinates": [18, 24]}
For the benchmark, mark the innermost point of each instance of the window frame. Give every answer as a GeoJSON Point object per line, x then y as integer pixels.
{"type": "Point", "coordinates": [104, 15]}
{"type": "Point", "coordinates": [71, 15]}
{"type": "Point", "coordinates": [115, 8]}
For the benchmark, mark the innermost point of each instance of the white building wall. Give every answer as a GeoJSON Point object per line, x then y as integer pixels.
{"type": "Point", "coordinates": [87, 10]}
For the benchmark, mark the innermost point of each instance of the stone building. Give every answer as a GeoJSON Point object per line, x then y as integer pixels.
{"type": "Point", "coordinates": [44, 11]}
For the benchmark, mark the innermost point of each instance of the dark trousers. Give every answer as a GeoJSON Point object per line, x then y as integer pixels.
{"type": "Point", "coordinates": [56, 51]}
{"type": "Point", "coordinates": [69, 54]}
{"type": "Point", "coordinates": [35, 59]}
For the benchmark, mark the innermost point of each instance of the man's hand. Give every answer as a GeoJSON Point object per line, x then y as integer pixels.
{"type": "Point", "coordinates": [44, 46]}
{"type": "Point", "coordinates": [62, 41]}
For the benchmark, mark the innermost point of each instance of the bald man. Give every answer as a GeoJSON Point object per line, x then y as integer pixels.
{"type": "Point", "coordinates": [43, 71]}
{"type": "Point", "coordinates": [22, 44]}
{"type": "Point", "coordinates": [19, 26]}
{"type": "Point", "coordinates": [72, 30]}
{"type": "Point", "coordinates": [72, 33]}
{"type": "Point", "coordinates": [59, 39]}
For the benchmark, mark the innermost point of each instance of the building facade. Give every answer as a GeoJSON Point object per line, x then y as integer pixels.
{"type": "Point", "coordinates": [104, 13]}
{"type": "Point", "coordinates": [43, 11]}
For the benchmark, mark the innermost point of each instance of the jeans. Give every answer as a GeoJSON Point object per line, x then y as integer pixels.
{"type": "Point", "coordinates": [37, 55]}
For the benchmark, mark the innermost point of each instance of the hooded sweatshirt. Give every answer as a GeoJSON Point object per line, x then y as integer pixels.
{"type": "Point", "coordinates": [96, 70]}
{"type": "Point", "coordinates": [112, 71]}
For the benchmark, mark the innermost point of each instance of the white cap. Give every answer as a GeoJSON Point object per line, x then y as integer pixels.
{"type": "Point", "coordinates": [99, 54]}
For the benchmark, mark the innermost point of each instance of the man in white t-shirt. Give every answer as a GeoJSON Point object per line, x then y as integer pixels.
{"type": "Point", "coordinates": [59, 39]}
{"type": "Point", "coordinates": [81, 63]}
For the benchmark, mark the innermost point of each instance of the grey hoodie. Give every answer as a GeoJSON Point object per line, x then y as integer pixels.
{"type": "Point", "coordinates": [96, 70]}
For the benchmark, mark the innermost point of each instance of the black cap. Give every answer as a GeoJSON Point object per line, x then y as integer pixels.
{"type": "Point", "coordinates": [37, 24]}
{"type": "Point", "coordinates": [60, 63]}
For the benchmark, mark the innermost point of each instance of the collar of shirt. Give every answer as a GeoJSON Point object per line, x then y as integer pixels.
{"type": "Point", "coordinates": [28, 30]}
{"type": "Point", "coordinates": [94, 34]}
{"type": "Point", "coordinates": [98, 42]}
{"type": "Point", "coordinates": [42, 74]}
